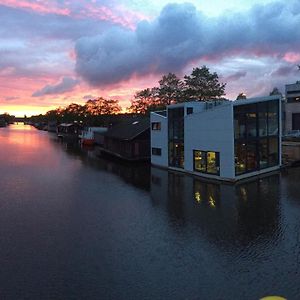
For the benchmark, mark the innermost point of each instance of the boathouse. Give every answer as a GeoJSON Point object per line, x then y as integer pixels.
{"type": "Point", "coordinates": [129, 139]}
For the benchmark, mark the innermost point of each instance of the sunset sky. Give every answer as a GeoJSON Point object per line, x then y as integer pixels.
{"type": "Point", "coordinates": [56, 52]}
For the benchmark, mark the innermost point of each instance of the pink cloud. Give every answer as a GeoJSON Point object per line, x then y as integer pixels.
{"type": "Point", "coordinates": [292, 57]}
{"type": "Point", "coordinates": [43, 8]}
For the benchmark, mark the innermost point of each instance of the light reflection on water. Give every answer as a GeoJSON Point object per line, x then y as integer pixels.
{"type": "Point", "coordinates": [73, 226]}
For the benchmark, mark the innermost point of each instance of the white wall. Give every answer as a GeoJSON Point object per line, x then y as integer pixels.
{"type": "Point", "coordinates": [290, 108]}
{"type": "Point", "coordinates": [211, 130]}
{"type": "Point", "coordinates": [159, 139]}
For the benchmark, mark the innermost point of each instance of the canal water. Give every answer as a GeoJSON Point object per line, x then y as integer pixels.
{"type": "Point", "coordinates": [74, 226]}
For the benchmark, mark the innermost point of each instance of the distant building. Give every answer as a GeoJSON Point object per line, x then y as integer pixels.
{"type": "Point", "coordinates": [129, 139]}
{"type": "Point", "coordinates": [292, 106]}
{"type": "Point", "coordinates": [228, 140]}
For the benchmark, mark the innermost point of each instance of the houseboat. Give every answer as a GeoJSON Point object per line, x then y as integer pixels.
{"type": "Point", "coordinates": [128, 140]}
{"type": "Point", "coordinates": [92, 135]}
{"type": "Point", "coordinates": [69, 131]}
{"type": "Point", "coordinates": [224, 140]}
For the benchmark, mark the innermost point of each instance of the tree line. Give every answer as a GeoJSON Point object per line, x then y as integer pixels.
{"type": "Point", "coordinates": [200, 85]}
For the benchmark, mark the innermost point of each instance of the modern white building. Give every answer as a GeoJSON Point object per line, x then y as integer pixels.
{"type": "Point", "coordinates": [227, 140]}
{"type": "Point", "coordinates": [292, 106]}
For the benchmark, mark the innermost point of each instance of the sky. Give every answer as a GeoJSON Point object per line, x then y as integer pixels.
{"type": "Point", "coordinates": [53, 53]}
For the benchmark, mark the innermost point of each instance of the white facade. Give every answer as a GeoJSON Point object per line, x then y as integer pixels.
{"type": "Point", "coordinates": [292, 106]}
{"type": "Point", "coordinates": [208, 128]}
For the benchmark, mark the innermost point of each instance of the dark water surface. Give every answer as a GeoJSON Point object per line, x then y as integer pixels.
{"type": "Point", "coordinates": [76, 227]}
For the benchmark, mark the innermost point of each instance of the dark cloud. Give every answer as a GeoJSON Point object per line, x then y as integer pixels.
{"type": "Point", "coordinates": [285, 70]}
{"type": "Point", "coordinates": [236, 76]}
{"type": "Point", "coordinates": [88, 97]}
{"type": "Point", "coordinates": [11, 98]}
{"type": "Point", "coordinates": [180, 35]}
{"type": "Point", "coordinates": [66, 85]}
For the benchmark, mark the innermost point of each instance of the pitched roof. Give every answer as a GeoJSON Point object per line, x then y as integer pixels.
{"type": "Point", "coordinates": [129, 129]}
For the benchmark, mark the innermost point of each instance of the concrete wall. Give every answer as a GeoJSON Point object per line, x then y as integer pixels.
{"type": "Point", "coordinates": [211, 130]}
{"type": "Point", "coordinates": [159, 139]}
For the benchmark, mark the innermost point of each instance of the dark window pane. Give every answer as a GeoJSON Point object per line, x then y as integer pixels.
{"type": "Point", "coordinates": [251, 156]}
{"type": "Point", "coordinates": [189, 110]}
{"type": "Point", "coordinates": [240, 158]}
{"type": "Point", "coordinates": [251, 120]}
{"type": "Point", "coordinates": [156, 151]}
{"type": "Point", "coordinates": [273, 151]}
{"type": "Point", "coordinates": [273, 118]}
{"type": "Point", "coordinates": [263, 153]}
{"type": "Point", "coordinates": [239, 122]}
{"type": "Point", "coordinates": [263, 119]}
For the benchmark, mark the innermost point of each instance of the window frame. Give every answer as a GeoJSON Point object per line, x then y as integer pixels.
{"type": "Point", "coordinates": [217, 162]}
{"type": "Point", "coordinates": [156, 126]}
{"type": "Point", "coordinates": [156, 151]}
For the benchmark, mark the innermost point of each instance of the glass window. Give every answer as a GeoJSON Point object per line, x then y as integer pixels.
{"type": "Point", "coordinates": [263, 153]}
{"type": "Point", "coordinates": [212, 165]}
{"type": "Point", "coordinates": [206, 162]}
{"type": "Point", "coordinates": [258, 149]}
{"type": "Point", "coordinates": [189, 110]}
{"type": "Point", "coordinates": [273, 151]}
{"type": "Point", "coordinates": [251, 120]}
{"type": "Point", "coordinates": [156, 126]}
{"type": "Point", "coordinates": [251, 156]}
{"type": "Point", "coordinates": [199, 161]}
{"type": "Point", "coordinates": [239, 122]}
{"type": "Point", "coordinates": [240, 157]}
{"type": "Point", "coordinates": [263, 119]}
{"type": "Point", "coordinates": [156, 151]}
{"type": "Point", "coordinates": [176, 136]}
{"type": "Point", "coordinates": [273, 118]}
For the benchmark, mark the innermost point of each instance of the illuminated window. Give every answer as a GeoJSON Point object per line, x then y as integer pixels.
{"type": "Point", "coordinates": [206, 162]}
{"type": "Point", "coordinates": [156, 126]}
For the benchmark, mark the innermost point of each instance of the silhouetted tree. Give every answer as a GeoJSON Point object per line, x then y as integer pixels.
{"type": "Point", "coordinates": [142, 101]}
{"type": "Point", "coordinates": [275, 91]}
{"type": "Point", "coordinates": [170, 90]}
{"type": "Point", "coordinates": [241, 96]}
{"type": "Point", "coordinates": [101, 106]}
{"type": "Point", "coordinates": [202, 85]}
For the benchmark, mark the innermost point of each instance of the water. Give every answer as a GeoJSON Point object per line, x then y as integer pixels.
{"type": "Point", "coordinates": [76, 227]}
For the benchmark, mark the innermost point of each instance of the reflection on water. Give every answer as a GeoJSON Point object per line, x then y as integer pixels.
{"type": "Point", "coordinates": [77, 226]}
{"type": "Point", "coordinates": [239, 213]}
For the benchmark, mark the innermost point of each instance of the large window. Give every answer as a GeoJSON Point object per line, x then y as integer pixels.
{"type": "Point", "coordinates": [256, 136]}
{"type": "Point", "coordinates": [207, 162]}
{"type": "Point", "coordinates": [176, 137]}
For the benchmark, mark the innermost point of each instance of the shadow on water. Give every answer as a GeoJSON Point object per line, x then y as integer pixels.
{"type": "Point", "coordinates": [134, 173]}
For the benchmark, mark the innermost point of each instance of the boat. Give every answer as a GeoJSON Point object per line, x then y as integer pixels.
{"type": "Point", "coordinates": [88, 135]}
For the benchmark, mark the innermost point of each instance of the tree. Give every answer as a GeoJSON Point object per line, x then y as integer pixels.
{"type": "Point", "coordinates": [142, 101]}
{"type": "Point", "coordinates": [202, 85]}
{"type": "Point", "coordinates": [101, 106]}
{"type": "Point", "coordinates": [170, 89]}
{"type": "Point", "coordinates": [241, 96]}
{"type": "Point", "coordinates": [275, 91]}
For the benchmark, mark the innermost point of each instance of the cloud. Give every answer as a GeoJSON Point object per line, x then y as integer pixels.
{"type": "Point", "coordinates": [236, 76]}
{"type": "Point", "coordinates": [285, 70]}
{"type": "Point", "coordinates": [67, 84]}
{"type": "Point", "coordinates": [10, 98]}
{"type": "Point", "coordinates": [180, 35]}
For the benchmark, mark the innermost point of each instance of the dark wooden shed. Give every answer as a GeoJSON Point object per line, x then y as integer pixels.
{"type": "Point", "coordinates": [129, 139]}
